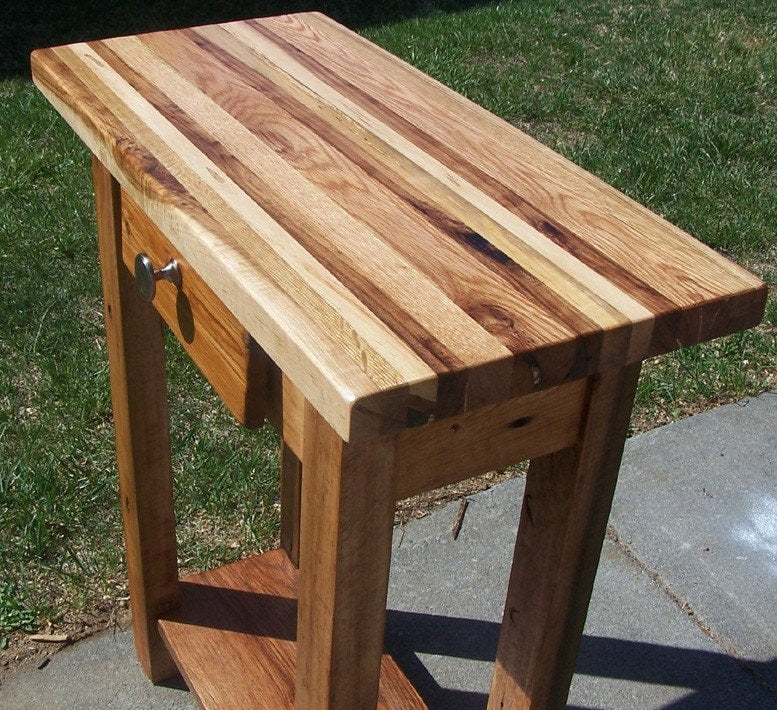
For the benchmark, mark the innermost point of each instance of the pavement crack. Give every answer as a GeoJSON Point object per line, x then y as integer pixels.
{"type": "Point", "coordinates": [685, 606]}
{"type": "Point", "coordinates": [401, 535]}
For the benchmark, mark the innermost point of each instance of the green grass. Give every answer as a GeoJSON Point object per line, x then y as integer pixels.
{"type": "Point", "coordinates": [672, 102]}
{"type": "Point", "coordinates": [60, 531]}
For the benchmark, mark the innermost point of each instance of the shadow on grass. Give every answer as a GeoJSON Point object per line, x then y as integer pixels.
{"type": "Point", "coordinates": [26, 25]}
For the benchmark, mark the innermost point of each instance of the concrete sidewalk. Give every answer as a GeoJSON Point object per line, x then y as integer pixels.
{"type": "Point", "coordinates": [683, 612]}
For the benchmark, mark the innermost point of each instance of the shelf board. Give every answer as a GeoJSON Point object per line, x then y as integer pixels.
{"type": "Point", "coordinates": [234, 637]}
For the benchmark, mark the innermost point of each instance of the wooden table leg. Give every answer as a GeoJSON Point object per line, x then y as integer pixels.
{"type": "Point", "coordinates": [345, 553]}
{"type": "Point", "coordinates": [291, 489]}
{"type": "Point", "coordinates": [139, 391]}
{"type": "Point", "coordinates": [563, 522]}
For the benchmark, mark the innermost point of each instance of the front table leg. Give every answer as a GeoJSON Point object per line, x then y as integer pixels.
{"type": "Point", "coordinates": [560, 535]}
{"type": "Point", "coordinates": [139, 391]}
{"type": "Point", "coordinates": [347, 512]}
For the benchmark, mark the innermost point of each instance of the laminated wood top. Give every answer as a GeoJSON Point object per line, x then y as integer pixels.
{"type": "Point", "coordinates": [399, 252]}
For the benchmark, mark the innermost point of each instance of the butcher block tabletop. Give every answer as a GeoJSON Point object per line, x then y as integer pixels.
{"type": "Point", "coordinates": [399, 252]}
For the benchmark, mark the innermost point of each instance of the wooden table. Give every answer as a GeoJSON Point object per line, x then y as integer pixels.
{"type": "Point", "coordinates": [413, 291]}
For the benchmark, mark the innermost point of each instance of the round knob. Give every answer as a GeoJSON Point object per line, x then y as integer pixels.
{"type": "Point", "coordinates": [146, 276]}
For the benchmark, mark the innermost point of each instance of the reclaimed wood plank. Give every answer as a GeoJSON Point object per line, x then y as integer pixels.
{"type": "Point", "coordinates": [136, 358]}
{"type": "Point", "coordinates": [221, 348]}
{"type": "Point", "coordinates": [397, 251]}
{"type": "Point", "coordinates": [400, 213]}
{"type": "Point", "coordinates": [457, 448]}
{"type": "Point", "coordinates": [541, 184]}
{"type": "Point", "coordinates": [608, 305]}
{"type": "Point", "coordinates": [291, 497]}
{"type": "Point", "coordinates": [357, 256]}
{"type": "Point", "coordinates": [223, 241]}
{"type": "Point", "coordinates": [560, 534]}
{"type": "Point", "coordinates": [234, 638]}
{"type": "Point", "coordinates": [286, 410]}
{"type": "Point", "coordinates": [347, 514]}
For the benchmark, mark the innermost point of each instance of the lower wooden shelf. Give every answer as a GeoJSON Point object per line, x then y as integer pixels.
{"type": "Point", "coordinates": [234, 637]}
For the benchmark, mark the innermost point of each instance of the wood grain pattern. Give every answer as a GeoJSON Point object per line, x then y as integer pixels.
{"type": "Point", "coordinates": [223, 350]}
{"type": "Point", "coordinates": [347, 513]}
{"type": "Point", "coordinates": [401, 254]}
{"type": "Point", "coordinates": [489, 438]}
{"type": "Point", "coordinates": [563, 521]}
{"type": "Point", "coordinates": [136, 356]}
{"type": "Point", "coordinates": [526, 185]}
{"type": "Point", "coordinates": [286, 410]}
{"type": "Point", "coordinates": [291, 496]}
{"type": "Point", "coordinates": [234, 638]}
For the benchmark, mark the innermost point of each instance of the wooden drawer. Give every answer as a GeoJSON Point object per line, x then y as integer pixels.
{"type": "Point", "coordinates": [222, 349]}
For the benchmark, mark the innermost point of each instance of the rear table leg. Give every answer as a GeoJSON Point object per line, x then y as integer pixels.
{"type": "Point", "coordinates": [563, 522]}
{"type": "Point", "coordinates": [291, 489]}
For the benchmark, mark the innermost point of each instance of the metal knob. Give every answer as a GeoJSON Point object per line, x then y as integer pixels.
{"type": "Point", "coordinates": [146, 276]}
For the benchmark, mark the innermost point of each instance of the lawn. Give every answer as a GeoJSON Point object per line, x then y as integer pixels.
{"type": "Point", "coordinates": [674, 103]}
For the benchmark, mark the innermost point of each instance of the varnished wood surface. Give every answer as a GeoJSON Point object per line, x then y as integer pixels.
{"type": "Point", "coordinates": [226, 354]}
{"type": "Point", "coordinates": [438, 453]}
{"type": "Point", "coordinates": [563, 522]}
{"type": "Point", "coordinates": [286, 410]}
{"type": "Point", "coordinates": [136, 355]}
{"type": "Point", "coordinates": [234, 638]}
{"type": "Point", "coordinates": [398, 252]}
{"type": "Point", "coordinates": [492, 437]}
{"type": "Point", "coordinates": [346, 520]}
{"type": "Point", "coordinates": [291, 497]}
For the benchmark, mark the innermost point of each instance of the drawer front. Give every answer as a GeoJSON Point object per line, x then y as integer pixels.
{"type": "Point", "coordinates": [222, 349]}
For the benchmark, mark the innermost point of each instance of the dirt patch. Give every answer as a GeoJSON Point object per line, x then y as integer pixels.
{"type": "Point", "coordinates": [24, 653]}
{"type": "Point", "coordinates": [421, 505]}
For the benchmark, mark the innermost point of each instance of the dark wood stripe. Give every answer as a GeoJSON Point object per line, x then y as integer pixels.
{"type": "Point", "coordinates": [433, 352]}
{"type": "Point", "coordinates": [508, 279]}
{"type": "Point", "coordinates": [146, 173]}
{"type": "Point", "coordinates": [72, 90]}
{"type": "Point", "coordinates": [512, 281]}
{"type": "Point", "coordinates": [157, 181]}
{"type": "Point", "coordinates": [610, 218]}
{"type": "Point", "coordinates": [167, 187]}
{"type": "Point", "coordinates": [586, 253]}
{"type": "Point", "coordinates": [162, 184]}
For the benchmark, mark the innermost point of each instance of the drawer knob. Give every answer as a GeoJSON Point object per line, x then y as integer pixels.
{"type": "Point", "coordinates": [146, 275]}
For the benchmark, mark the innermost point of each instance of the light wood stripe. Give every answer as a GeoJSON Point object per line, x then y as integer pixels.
{"type": "Point", "coordinates": [445, 195]}
{"type": "Point", "coordinates": [388, 208]}
{"type": "Point", "coordinates": [398, 283]}
{"type": "Point", "coordinates": [400, 254]}
{"type": "Point", "coordinates": [210, 250]}
{"type": "Point", "coordinates": [541, 173]}
{"type": "Point", "coordinates": [481, 386]}
{"type": "Point", "coordinates": [210, 185]}
{"type": "Point", "coordinates": [610, 344]}
{"type": "Point", "coordinates": [404, 176]}
{"type": "Point", "coordinates": [593, 293]}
